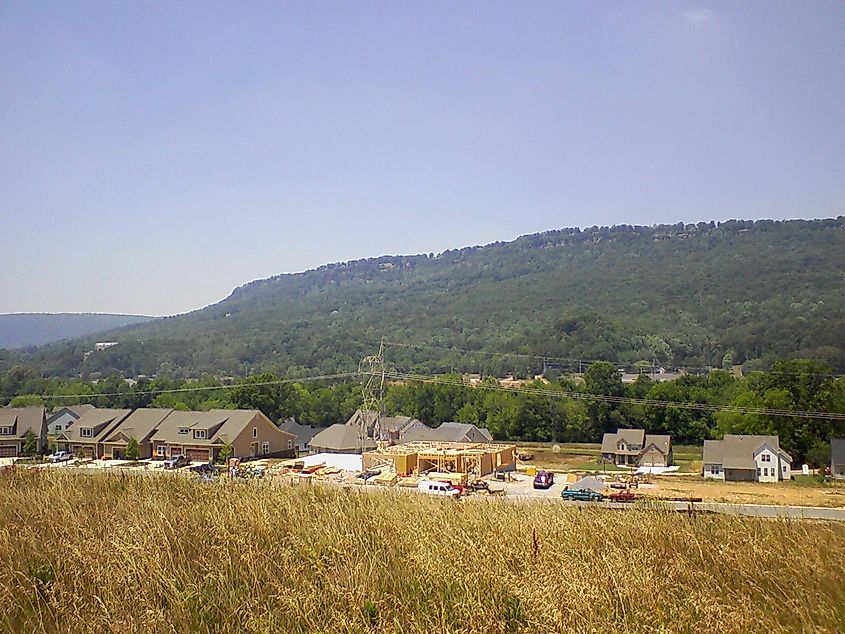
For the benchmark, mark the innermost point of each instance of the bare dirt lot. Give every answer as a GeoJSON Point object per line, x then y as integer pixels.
{"type": "Point", "coordinates": [803, 491]}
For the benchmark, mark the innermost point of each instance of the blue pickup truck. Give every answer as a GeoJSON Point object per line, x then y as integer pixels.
{"type": "Point", "coordinates": [585, 495]}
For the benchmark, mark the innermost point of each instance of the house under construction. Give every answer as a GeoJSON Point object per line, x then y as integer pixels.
{"type": "Point", "coordinates": [421, 457]}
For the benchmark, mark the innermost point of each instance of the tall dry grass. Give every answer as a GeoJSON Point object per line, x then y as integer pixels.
{"type": "Point", "coordinates": [105, 553]}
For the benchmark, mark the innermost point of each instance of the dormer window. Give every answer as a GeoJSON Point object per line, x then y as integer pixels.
{"type": "Point", "coordinates": [199, 434]}
{"type": "Point", "coordinates": [86, 432]}
{"type": "Point", "coordinates": [5, 431]}
{"type": "Point", "coordinates": [184, 430]}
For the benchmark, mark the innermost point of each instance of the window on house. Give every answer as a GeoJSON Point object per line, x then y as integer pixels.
{"type": "Point", "coordinates": [5, 431]}
{"type": "Point", "coordinates": [86, 432]}
{"type": "Point", "coordinates": [265, 448]}
{"type": "Point", "coordinates": [199, 434]}
{"type": "Point", "coordinates": [758, 471]}
{"type": "Point", "coordinates": [184, 430]}
{"type": "Point", "coordinates": [160, 451]}
{"type": "Point", "coordinates": [784, 468]}
{"type": "Point", "coordinates": [290, 444]}
{"type": "Point", "coordinates": [255, 432]}
{"type": "Point", "coordinates": [766, 457]}
{"type": "Point", "coordinates": [58, 428]}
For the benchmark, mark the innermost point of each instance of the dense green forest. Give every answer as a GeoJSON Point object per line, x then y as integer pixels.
{"type": "Point", "coordinates": [20, 330]}
{"type": "Point", "coordinates": [709, 294]}
{"type": "Point", "coordinates": [795, 385]}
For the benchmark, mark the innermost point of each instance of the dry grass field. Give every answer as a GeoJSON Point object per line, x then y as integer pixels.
{"type": "Point", "coordinates": [133, 553]}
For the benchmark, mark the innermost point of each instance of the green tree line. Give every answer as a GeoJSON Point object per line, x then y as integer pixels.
{"type": "Point", "coordinates": [794, 385]}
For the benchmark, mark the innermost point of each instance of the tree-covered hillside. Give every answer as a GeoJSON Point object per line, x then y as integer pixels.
{"type": "Point", "coordinates": [35, 329]}
{"type": "Point", "coordinates": [681, 295]}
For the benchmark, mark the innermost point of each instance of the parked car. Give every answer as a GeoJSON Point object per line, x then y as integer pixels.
{"type": "Point", "coordinates": [432, 487]}
{"type": "Point", "coordinates": [544, 479]}
{"type": "Point", "coordinates": [586, 495]}
{"type": "Point", "coordinates": [176, 461]}
{"type": "Point", "coordinates": [60, 456]}
{"type": "Point", "coordinates": [206, 468]}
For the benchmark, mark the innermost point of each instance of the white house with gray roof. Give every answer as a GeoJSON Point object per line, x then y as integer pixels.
{"type": "Point", "coordinates": [746, 458]}
{"type": "Point", "coordinates": [63, 417]}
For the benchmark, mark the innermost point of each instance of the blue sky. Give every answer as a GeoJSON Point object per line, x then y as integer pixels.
{"type": "Point", "coordinates": [153, 156]}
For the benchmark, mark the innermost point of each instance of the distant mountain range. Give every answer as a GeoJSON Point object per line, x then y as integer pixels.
{"type": "Point", "coordinates": [675, 295]}
{"type": "Point", "coordinates": [36, 329]}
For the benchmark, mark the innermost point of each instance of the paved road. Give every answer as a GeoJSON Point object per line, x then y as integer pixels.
{"type": "Point", "coordinates": [748, 510]}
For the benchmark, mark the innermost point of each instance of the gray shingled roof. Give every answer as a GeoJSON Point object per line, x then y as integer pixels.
{"type": "Point", "coordinates": [737, 452]}
{"type": "Point", "coordinates": [22, 420]}
{"type": "Point", "coordinates": [139, 425]}
{"type": "Point", "coordinates": [101, 422]}
{"type": "Point", "coordinates": [221, 425]}
{"type": "Point", "coordinates": [340, 437]}
{"type": "Point", "coordinates": [630, 436]}
{"type": "Point", "coordinates": [303, 433]}
{"type": "Point", "coordinates": [662, 441]}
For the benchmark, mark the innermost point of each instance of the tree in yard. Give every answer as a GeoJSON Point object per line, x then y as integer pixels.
{"type": "Point", "coordinates": [818, 455]}
{"type": "Point", "coordinates": [132, 450]}
{"type": "Point", "coordinates": [225, 453]}
{"type": "Point", "coordinates": [30, 444]}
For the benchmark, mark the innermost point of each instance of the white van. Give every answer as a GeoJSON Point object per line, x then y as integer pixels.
{"type": "Point", "coordinates": [432, 487]}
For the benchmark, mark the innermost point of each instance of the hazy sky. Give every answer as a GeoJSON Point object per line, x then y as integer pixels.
{"type": "Point", "coordinates": [153, 156]}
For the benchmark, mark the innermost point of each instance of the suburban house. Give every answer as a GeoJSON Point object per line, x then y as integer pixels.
{"type": "Point", "coordinates": [202, 435]}
{"type": "Point", "coordinates": [63, 417]}
{"type": "Point", "coordinates": [393, 429]}
{"type": "Point", "coordinates": [449, 432]}
{"type": "Point", "coordinates": [748, 458]}
{"type": "Point", "coordinates": [837, 457]}
{"type": "Point", "coordinates": [15, 423]}
{"type": "Point", "coordinates": [302, 433]}
{"type": "Point", "coordinates": [86, 435]}
{"type": "Point", "coordinates": [140, 425]}
{"type": "Point", "coordinates": [635, 447]}
{"type": "Point", "coordinates": [340, 438]}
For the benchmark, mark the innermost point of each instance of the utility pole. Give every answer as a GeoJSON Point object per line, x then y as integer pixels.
{"type": "Point", "coordinates": [372, 374]}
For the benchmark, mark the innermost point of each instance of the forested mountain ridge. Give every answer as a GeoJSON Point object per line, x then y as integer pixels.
{"type": "Point", "coordinates": [18, 330]}
{"type": "Point", "coordinates": [680, 295]}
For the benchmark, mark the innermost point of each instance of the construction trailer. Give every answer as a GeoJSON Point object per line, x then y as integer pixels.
{"type": "Point", "coordinates": [421, 457]}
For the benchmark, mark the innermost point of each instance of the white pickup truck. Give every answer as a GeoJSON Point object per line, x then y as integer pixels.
{"type": "Point", "coordinates": [60, 456]}
{"type": "Point", "coordinates": [433, 487]}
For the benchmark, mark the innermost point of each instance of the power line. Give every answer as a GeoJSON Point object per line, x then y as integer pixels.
{"type": "Point", "coordinates": [324, 377]}
{"type": "Point", "coordinates": [622, 399]}
{"type": "Point", "coordinates": [572, 360]}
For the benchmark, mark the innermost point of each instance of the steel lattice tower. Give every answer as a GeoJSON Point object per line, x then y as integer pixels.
{"type": "Point", "coordinates": [371, 373]}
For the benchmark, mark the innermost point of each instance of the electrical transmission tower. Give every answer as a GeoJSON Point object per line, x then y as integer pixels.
{"type": "Point", "coordinates": [371, 372]}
